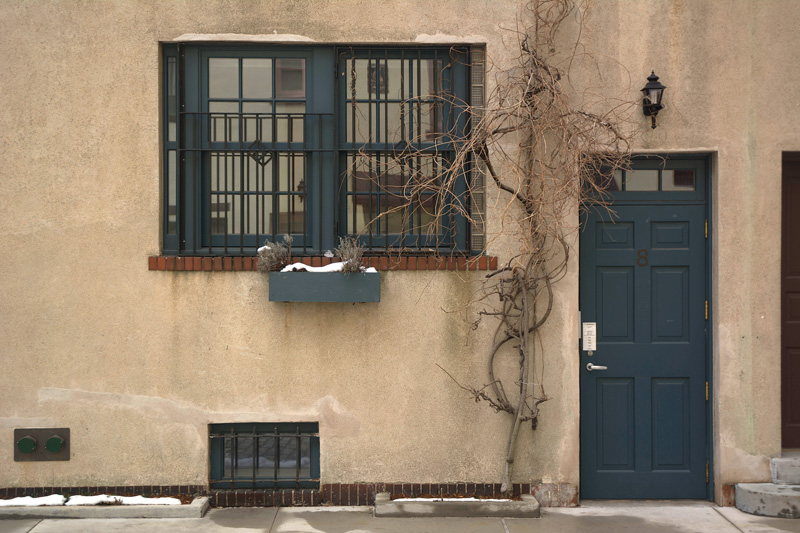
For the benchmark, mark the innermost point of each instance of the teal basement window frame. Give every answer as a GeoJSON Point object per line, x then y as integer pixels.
{"type": "Point", "coordinates": [264, 140]}
{"type": "Point", "coordinates": [264, 455]}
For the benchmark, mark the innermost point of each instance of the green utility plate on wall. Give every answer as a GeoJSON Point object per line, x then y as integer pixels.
{"type": "Point", "coordinates": [41, 444]}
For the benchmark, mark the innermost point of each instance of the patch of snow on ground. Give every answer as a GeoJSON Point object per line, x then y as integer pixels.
{"type": "Point", "coordinates": [141, 500]}
{"type": "Point", "coordinates": [91, 500]}
{"type": "Point", "coordinates": [449, 500]}
{"type": "Point", "coordinates": [27, 501]}
{"type": "Point", "coordinates": [58, 499]}
{"type": "Point", "coordinates": [124, 500]}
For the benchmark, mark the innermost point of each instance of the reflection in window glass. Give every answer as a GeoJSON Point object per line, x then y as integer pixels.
{"type": "Point", "coordinates": [386, 197]}
{"type": "Point", "coordinates": [256, 78]}
{"type": "Point", "coordinates": [224, 126]}
{"type": "Point", "coordinates": [172, 196]}
{"type": "Point", "coordinates": [290, 123]}
{"type": "Point", "coordinates": [223, 77]}
{"type": "Point", "coordinates": [677, 180]}
{"type": "Point", "coordinates": [257, 121]}
{"type": "Point", "coordinates": [607, 181]}
{"type": "Point", "coordinates": [392, 100]}
{"type": "Point", "coordinates": [641, 180]}
{"type": "Point", "coordinates": [269, 198]}
{"type": "Point", "coordinates": [172, 98]}
{"type": "Point", "coordinates": [290, 78]}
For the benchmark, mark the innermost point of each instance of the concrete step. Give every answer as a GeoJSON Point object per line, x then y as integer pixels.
{"type": "Point", "coordinates": [769, 499]}
{"type": "Point", "coordinates": [785, 470]}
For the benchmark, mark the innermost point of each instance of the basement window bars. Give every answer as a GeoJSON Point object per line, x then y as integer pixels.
{"type": "Point", "coordinates": [259, 455]}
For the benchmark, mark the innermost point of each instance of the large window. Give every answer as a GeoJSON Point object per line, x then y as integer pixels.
{"type": "Point", "coordinates": [317, 142]}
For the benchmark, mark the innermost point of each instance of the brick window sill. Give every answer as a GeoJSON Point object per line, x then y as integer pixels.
{"type": "Point", "coordinates": [382, 262]}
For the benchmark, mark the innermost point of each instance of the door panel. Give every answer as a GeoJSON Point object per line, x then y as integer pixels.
{"type": "Point", "coordinates": [643, 420]}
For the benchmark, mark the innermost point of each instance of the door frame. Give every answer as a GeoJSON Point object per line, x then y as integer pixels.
{"type": "Point", "coordinates": [709, 363]}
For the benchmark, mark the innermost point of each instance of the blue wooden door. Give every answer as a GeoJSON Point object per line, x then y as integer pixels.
{"type": "Point", "coordinates": [643, 282]}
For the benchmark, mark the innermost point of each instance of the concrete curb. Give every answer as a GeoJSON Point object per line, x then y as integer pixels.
{"type": "Point", "coordinates": [196, 509]}
{"type": "Point", "coordinates": [385, 507]}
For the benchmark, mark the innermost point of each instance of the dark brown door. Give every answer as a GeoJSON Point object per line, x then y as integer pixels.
{"type": "Point", "coordinates": [790, 295]}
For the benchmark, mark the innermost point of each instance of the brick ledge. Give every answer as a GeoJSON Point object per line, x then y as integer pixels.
{"type": "Point", "coordinates": [548, 494]}
{"type": "Point", "coordinates": [381, 262]}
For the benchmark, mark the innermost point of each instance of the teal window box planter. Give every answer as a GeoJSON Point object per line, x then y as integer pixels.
{"type": "Point", "coordinates": [324, 287]}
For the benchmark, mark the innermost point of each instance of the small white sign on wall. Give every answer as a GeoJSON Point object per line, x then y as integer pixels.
{"type": "Point", "coordinates": [589, 336]}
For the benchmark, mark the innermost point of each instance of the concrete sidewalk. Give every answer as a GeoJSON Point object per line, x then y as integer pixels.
{"type": "Point", "coordinates": [612, 517]}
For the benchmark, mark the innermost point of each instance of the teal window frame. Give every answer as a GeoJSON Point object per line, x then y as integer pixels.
{"type": "Point", "coordinates": [186, 195]}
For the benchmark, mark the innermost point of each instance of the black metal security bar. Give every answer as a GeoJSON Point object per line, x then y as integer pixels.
{"type": "Point", "coordinates": [246, 178]}
{"type": "Point", "coordinates": [275, 456]}
{"type": "Point", "coordinates": [400, 139]}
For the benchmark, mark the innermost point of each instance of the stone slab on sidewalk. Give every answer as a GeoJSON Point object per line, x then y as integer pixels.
{"type": "Point", "coordinates": [527, 507]}
{"type": "Point", "coordinates": [196, 509]}
{"type": "Point", "coordinates": [361, 520]}
{"type": "Point", "coordinates": [749, 523]}
{"type": "Point", "coordinates": [627, 516]}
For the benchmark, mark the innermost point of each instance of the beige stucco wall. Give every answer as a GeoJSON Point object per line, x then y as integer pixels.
{"type": "Point", "coordinates": [137, 363]}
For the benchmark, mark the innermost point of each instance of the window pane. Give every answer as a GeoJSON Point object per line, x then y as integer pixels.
{"type": "Point", "coordinates": [380, 121]}
{"type": "Point", "coordinates": [290, 128]}
{"type": "Point", "coordinates": [224, 127]}
{"type": "Point", "coordinates": [358, 77]}
{"type": "Point", "coordinates": [677, 180]}
{"type": "Point", "coordinates": [172, 196]}
{"type": "Point", "coordinates": [257, 121]}
{"type": "Point", "coordinates": [428, 77]}
{"type": "Point", "coordinates": [172, 98]}
{"type": "Point", "coordinates": [397, 78]}
{"type": "Point", "coordinates": [641, 180]}
{"type": "Point", "coordinates": [289, 458]}
{"type": "Point", "coordinates": [426, 121]}
{"type": "Point", "coordinates": [609, 181]}
{"type": "Point", "coordinates": [291, 203]}
{"type": "Point", "coordinates": [256, 78]}
{"type": "Point", "coordinates": [617, 186]}
{"type": "Point", "coordinates": [290, 78]}
{"type": "Point", "coordinates": [394, 196]}
{"type": "Point", "coordinates": [266, 458]}
{"type": "Point", "coordinates": [223, 77]}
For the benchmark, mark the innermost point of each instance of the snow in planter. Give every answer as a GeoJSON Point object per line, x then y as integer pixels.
{"type": "Point", "coordinates": [332, 267]}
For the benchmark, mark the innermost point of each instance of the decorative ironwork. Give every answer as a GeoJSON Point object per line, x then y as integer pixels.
{"type": "Point", "coordinates": [259, 153]}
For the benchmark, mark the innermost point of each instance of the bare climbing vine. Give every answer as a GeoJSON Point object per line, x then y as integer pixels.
{"type": "Point", "coordinates": [548, 150]}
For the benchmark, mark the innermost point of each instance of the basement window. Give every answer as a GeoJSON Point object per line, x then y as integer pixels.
{"type": "Point", "coordinates": [264, 455]}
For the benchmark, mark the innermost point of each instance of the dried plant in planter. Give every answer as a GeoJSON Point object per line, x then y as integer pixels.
{"type": "Point", "coordinates": [350, 252]}
{"type": "Point", "coordinates": [274, 256]}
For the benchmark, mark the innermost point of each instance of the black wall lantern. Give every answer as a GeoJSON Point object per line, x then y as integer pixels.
{"type": "Point", "coordinates": [653, 92]}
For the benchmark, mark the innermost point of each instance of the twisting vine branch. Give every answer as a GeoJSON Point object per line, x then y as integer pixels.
{"type": "Point", "coordinates": [548, 149]}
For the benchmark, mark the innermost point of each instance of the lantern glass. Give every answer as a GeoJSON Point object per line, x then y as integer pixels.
{"type": "Point", "coordinates": [654, 96]}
